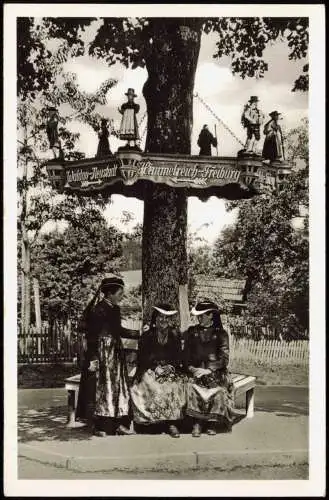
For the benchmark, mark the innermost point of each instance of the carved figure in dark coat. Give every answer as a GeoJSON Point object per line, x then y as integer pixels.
{"type": "Point", "coordinates": [273, 144]}
{"type": "Point", "coordinates": [52, 134]}
{"type": "Point", "coordinates": [205, 141]}
{"type": "Point", "coordinates": [103, 143]}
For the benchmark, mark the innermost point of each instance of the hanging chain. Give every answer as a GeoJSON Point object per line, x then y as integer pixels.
{"type": "Point", "coordinates": [206, 106]}
{"type": "Point", "coordinates": [142, 119]}
{"type": "Point", "coordinates": [218, 119]}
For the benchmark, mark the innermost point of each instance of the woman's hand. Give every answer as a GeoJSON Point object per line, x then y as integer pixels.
{"type": "Point", "coordinates": [93, 365]}
{"type": "Point", "coordinates": [200, 372]}
{"type": "Point", "coordinates": [167, 369]}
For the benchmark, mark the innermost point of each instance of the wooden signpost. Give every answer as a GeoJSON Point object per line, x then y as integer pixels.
{"type": "Point", "coordinates": [130, 172]}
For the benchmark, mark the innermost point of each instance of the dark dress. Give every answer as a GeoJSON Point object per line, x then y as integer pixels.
{"type": "Point", "coordinates": [158, 397]}
{"type": "Point", "coordinates": [103, 144]}
{"type": "Point", "coordinates": [107, 389]}
{"type": "Point", "coordinates": [205, 141]}
{"type": "Point", "coordinates": [273, 144]}
{"type": "Point", "coordinates": [209, 397]}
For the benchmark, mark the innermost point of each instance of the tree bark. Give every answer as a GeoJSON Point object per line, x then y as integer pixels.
{"type": "Point", "coordinates": [26, 261]}
{"type": "Point", "coordinates": [168, 91]}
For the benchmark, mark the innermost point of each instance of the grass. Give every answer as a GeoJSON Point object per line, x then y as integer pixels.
{"type": "Point", "coordinates": [53, 375]}
{"type": "Point", "coordinates": [283, 374]}
{"type": "Point", "coordinates": [45, 375]}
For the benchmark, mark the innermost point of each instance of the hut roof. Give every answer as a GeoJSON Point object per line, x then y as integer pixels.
{"type": "Point", "coordinates": [222, 290]}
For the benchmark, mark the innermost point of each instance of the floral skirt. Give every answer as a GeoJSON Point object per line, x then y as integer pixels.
{"type": "Point", "coordinates": [155, 399]}
{"type": "Point", "coordinates": [112, 397]}
{"type": "Point", "coordinates": [210, 402]}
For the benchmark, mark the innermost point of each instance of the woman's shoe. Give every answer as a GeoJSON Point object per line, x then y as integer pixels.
{"type": "Point", "coordinates": [211, 431]}
{"type": "Point", "coordinates": [123, 431]}
{"type": "Point", "coordinates": [173, 431]}
{"type": "Point", "coordinates": [100, 433]}
{"type": "Point", "coordinates": [196, 431]}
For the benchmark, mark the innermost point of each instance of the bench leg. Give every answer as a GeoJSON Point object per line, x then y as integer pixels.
{"type": "Point", "coordinates": [71, 406]}
{"type": "Point", "coordinates": [250, 399]}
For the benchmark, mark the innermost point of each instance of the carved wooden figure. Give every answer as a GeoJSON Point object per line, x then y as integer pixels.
{"type": "Point", "coordinates": [252, 118]}
{"type": "Point", "coordinates": [129, 127]}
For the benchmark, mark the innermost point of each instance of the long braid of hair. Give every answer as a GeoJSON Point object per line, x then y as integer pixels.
{"type": "Point", "coordinates": [83, 323]}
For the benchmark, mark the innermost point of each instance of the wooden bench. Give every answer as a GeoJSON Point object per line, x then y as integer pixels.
{"type": "Point", "coordinates": [243, 384]}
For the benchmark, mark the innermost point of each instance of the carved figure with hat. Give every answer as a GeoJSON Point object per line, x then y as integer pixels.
{"type": "Point", "coordinates": [129, 127]}
{"type": "Point", "coordinates": [52, 133]}
{"type": "Point", "coordinates": [273, 149]}
{"type": "Point", "coordinates": [251, 119]}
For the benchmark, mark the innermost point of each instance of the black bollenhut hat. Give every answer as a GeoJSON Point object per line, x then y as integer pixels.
{"type": "Point", "coordinates": [165, 309]}
{"type": "Point", "coordinates": [204, 307]}
{"type": "Point", "coordinates": [110, 281]}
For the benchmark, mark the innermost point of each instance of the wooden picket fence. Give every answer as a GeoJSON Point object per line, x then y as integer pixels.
{"type": "Point", "coordinates": [270, 351]}
{"type": "Point", "coordinates": [61, 345]}
{"type": "Point", "coordinates": [46, 345]}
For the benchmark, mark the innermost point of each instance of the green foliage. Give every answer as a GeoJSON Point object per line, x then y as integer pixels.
{"type": "Point", "coordinates": [129, 41]}
{"type": "Point", "coordinates": [69, 265]}
{"type": "Point", "coordinates": [245, 39]}
{"type": "Point", "coordinates": [265, 247]}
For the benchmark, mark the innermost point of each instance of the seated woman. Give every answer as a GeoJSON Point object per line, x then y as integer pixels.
{"type": "Point", "coordinates": [158, 392]}
{"type": "Point", "coordinates": [209, 389]}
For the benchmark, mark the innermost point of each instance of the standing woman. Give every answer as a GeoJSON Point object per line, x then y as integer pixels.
{"type": "Point", "coordinates": [158, 393]}
{"type": "Point", "coordinates": [106, 358]}
{"type": "Point", "coordinates": [209, 389]}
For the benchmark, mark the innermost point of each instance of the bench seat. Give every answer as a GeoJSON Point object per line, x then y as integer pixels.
{"type": "Point", "coordinates": [243, 384]}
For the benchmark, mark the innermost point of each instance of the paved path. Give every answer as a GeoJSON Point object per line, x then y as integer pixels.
{"type": "Point", "coordinates": [277, 436]}
{"type": "Point", "coordinates": [282, 400]}
{"type": "Point", "coordinates": [45, 471]}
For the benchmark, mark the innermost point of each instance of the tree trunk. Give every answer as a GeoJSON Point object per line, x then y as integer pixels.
{"type": "Point", "coordinates": [27, 287]}
{"type": "Point", "coordinates": [36, 293]}
{"type": "Point", "coordinates": [26, 261]}
{"type": "Point", "coordinates": [171, 65]}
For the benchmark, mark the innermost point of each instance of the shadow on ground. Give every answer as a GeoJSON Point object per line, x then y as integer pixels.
{"type": "Point", "coordinates": [286, 409]}
{"type": "Point", "coordinates": [47, 424]}
{"type": "Point", "coordinates": [39, 422]}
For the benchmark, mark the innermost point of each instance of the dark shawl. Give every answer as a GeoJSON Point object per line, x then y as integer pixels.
{"type": "Point", "coordinates": [212, 353]}
{"type": "Point", "coordinates": [152, 354]}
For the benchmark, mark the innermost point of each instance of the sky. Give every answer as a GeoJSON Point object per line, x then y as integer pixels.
{"type": "Point", "coordinates": [226, 95]}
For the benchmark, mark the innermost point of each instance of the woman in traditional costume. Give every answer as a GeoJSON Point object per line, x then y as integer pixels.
{"type": "Point", "coordinates": [106, 357]}
{"type": "Point", "coordinates": [158, 393]}
{"type": "Point", "coordinates": [129, 127]}
{"type": "Point", "coordinates": [273, 144]}
{"type": "Point", "coordinates": [209, 389]}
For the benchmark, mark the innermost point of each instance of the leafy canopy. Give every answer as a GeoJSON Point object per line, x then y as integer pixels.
{"type": "Point", "coordinates": [129, 41]}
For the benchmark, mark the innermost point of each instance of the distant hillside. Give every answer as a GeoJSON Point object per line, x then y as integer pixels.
{"type": "Point", "coordinates": [133, 278]}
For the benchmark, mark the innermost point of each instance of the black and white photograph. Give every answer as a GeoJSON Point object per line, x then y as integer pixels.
{"type": "Point", "coordinates": [164, 250]}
